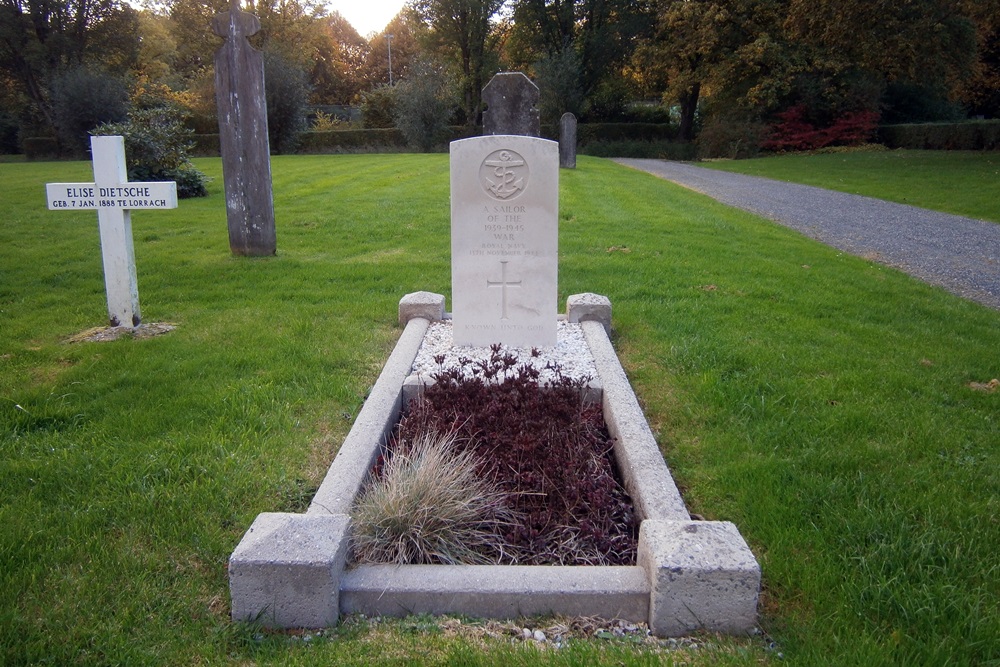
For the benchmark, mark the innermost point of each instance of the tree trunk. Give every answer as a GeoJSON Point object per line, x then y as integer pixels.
{"type": "Point", "coordinates": [689, 105]}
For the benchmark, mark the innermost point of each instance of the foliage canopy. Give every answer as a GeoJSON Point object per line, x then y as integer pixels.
{"type": "Point", "coordinates": [731, 65]}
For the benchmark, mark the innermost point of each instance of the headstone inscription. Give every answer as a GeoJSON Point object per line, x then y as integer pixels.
{"type": "Point", "coordinates": [504, 240]}
{"type": "Point", "coordinates": [567, 141]}
{"type": "Point", "coordinates": [246, 158]}
{"type": "Point", "coordinates": [511, 105]}
{"type": "Point", "coordinates": [113, 196]}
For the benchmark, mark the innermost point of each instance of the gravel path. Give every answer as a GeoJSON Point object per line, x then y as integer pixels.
{"type": "Point", "coordinates": [959, 254]}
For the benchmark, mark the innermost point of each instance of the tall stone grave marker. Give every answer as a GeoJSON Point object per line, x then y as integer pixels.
{"type": "Point", "coordinates": [114, 197]}
{"type": "Point", "coordinates": [512, 105]}
{"type": "Point", "coordinates": [246, 158]}
{"type": "Point", "coordinates": [504, 240]}
{"type": "Point", "coordinates": [567, 141]}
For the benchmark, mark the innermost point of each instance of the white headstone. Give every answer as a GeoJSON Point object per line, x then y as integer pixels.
{"type": "Point", "coordinates": [504, 240]}
{"type": "Point", "coordinates": [113, 197]}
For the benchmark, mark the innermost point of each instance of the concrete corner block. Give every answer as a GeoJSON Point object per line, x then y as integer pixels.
{"type": "Point", "coordinates": [427, 305]}
{"type": "Point", "coordinates": [285, 572]}
{"type": "Point", "coordinates": [702, 574]}
{"type": "Point", "coordinates": [589, 307]}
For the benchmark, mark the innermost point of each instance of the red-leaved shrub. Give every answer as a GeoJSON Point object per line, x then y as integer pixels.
{"type": "Point", "coordinates": [794, 132]}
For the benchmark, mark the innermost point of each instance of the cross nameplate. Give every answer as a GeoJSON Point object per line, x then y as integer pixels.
{"type": "Point", "coordinates": [113, 197]}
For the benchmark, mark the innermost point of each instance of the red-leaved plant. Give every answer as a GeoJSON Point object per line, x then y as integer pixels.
{"type": "Point", "coordinates": [794, 132]}
{"type": "Point", "coordinates": [542, 445]}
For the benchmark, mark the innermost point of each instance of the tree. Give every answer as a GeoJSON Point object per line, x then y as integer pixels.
{"type": "Point", "coordinates": [39, 39]}
{"type": "Point", "coordinates": [407, 32]}
{"type": "Point", "coordinates": [423, 106]}
{"type": "Point", "coordinates": [157, 47]}
{"type": "Point", "coordinates": [464, 33]}
{"type": "Point", "coordinates": [920, 40]}
{"type": "Point", "coordinates": [337, 71]}
{"type": "Point", "coordinates": [289, 27]}
{"type": "Point", "coordinates": [589, 40]}
{"type": "Point", "coordinates": [378, 107]}
{"type": "Point", "coordinates": [980, 91]}
{"type": "Point", "coordinates": [83, 98]}
{"type": "Point", "coordinates": [196, 44]}
{"type": "Point", "coordinates": [287, 91]}
{"type": "Point", "coordinates": [560, 85]}
{"type": "Point", "coordinates": [689, 45]}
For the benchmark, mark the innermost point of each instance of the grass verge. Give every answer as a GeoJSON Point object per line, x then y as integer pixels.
{"type": "Point", "coordinates": [958, 182]}
{"type": "Point", "coordinates": [831, 407]}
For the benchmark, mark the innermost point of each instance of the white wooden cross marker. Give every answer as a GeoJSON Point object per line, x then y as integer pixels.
{"type": "Point", "coordinates": [114, 197]}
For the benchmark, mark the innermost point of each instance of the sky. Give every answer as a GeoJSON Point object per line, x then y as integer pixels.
{"type": "Point", "coordinates": [367, 16]}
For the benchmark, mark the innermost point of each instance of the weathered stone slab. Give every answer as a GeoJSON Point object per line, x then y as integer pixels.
{"type": "Point", "coordinates": [497, 591]}
{"type": "Point", "coordinates": [246, 157]}
{"type": "Point", "coordinates": [504, 240]}
{"type": "Point", "coordinates": [703, 577]}
{"type": "Point", "coordinates": [511, 105]}
{"type": "Point", "coordinates": [427, 305]}
{"type": "Point", "coordinates": [589, 307]}
{"type": "Point", "coordinates": [567, 141]}
{"type": "Point", "coordinates": [285, 572]}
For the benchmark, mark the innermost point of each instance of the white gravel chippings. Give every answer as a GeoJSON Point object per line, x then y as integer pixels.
{"type": "Point", "coordinates": [570, 353]}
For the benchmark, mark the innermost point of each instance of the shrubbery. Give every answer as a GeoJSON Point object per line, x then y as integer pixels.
{"type": "Point", "coordinates": [967, 136]}
{"type": "Point", "coordinates": [156, 149]}
{"type": "Point", "coordinates": [794, 131]}
{"type": "Point", "coordinates": [352, 141]}
{"type": "Point", "coordinates": [40, 148]}
{"type": "Point", "coordinates": [730, 137]}
{"type": "Point", "coordinates": [378, 107]}
{"type": "Point", "coordinates": [9, 130]}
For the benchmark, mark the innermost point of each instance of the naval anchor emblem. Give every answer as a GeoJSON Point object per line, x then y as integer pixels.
{"type": "Point", "coordinates": [503, 174]}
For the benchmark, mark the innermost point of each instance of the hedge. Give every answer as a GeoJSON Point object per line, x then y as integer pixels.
{"type": "Point", "coordinates": [347, 141]}
{"type": "Point", "coordinates": [602, 136]}
{"type": "Point", "coordinates": [968, 136]}
{"type": "Point", "coordinates": [615, 139]}
{"type": "Point", "coordinates": [40, 148]}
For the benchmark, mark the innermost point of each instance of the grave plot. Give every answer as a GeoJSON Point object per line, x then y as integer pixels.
{"type": "Point", "coordinates": [291, 570]}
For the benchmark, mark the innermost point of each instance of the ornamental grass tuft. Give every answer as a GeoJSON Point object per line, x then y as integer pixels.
{"type": "Point", "coordinates": [428, 505]}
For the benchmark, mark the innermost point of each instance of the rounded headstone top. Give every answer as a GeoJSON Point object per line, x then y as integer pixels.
{"type": "Point", "coordinates": [511, 105]}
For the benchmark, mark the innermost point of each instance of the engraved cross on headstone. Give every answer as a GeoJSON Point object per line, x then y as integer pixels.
{"type": "Point", "coordinates": [503, 284]}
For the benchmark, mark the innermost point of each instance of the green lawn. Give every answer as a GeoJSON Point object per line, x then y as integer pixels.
{"type": "Point", "coordinates": [960, 182]}
{"type": "Point", "coordinates": [825, 404]}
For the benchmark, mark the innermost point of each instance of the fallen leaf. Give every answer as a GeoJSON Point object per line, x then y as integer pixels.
{"type": "Point", "coordinates": [988, 387]}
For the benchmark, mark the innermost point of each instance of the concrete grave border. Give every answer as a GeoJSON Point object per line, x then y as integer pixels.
{"type": "Point", "coordinates": [290, 570]}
